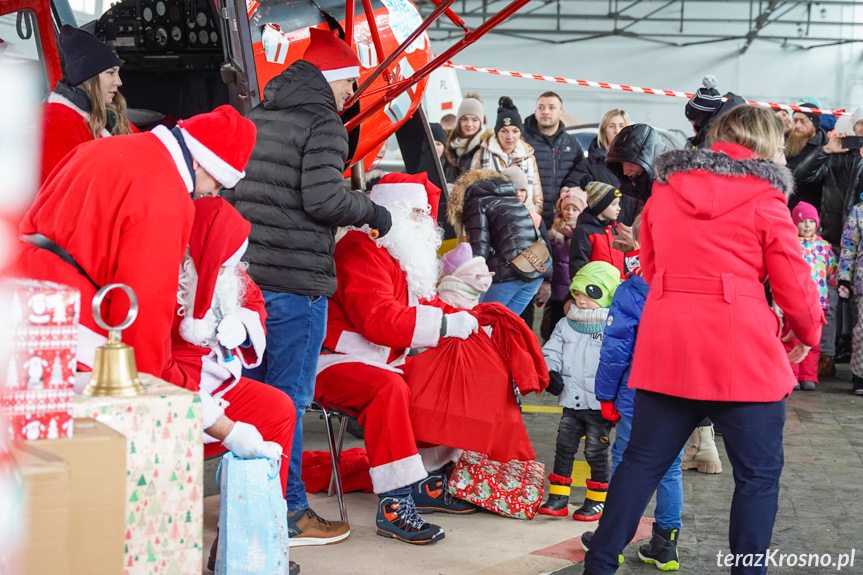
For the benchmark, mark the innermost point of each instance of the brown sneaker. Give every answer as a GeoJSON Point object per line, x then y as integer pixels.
{"type": "Point", "coordinates": [306, 528]}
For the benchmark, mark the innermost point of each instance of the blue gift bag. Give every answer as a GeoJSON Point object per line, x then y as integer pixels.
{"type": "Point", "coordinates": [253, 518]}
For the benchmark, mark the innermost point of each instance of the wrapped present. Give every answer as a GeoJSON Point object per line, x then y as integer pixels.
{"type": "Point", "coordinates": [37, 387]}
{"type": "Point", "coordinates": [165, 470]}
{"type": "Point", "coordinates": [253, 518]}
{"type": "Point", "coordinates": [511, 489]}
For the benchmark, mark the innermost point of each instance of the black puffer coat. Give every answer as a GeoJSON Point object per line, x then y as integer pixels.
{"type": "Point", "coordinates": [556, 158]}
{"type": "Point", "coordinates": [807, 185]}
{"type": "Point", "coordinates": [637, 144]}
{"type": "Point", "coordinates": [293, 192]}
{"type": "Point", "coordinates": [496, 223]}
{"type": "Point", "coordinates": [593, 168]}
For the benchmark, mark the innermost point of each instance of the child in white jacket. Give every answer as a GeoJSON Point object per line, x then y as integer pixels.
{"type": "Point", "coordinates": [572, 357]}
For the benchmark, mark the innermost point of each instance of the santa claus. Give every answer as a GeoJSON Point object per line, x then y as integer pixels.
{"type": "Point", "coordinates": [384, 306]}
{"type": "Point", "coordinates": [119, 210]}
{"type": "Point", "coordinates": [218, 329]}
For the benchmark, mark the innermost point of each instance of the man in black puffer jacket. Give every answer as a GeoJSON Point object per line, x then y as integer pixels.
{"type": "Point", "coordinates": [557, 152]}
{"type": "Point", "coordinates": [630, 158]}
{"type": "Point", "coordinates": [295, 198]}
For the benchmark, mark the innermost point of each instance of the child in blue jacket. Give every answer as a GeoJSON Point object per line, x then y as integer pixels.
{"type": "Point", "coordinates": [616, 404]}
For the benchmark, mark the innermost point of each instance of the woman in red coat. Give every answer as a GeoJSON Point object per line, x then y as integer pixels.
{"type": "Point", "coordinates": [85, 105]}
{"type": "Point", "coordinates": [709, 344]}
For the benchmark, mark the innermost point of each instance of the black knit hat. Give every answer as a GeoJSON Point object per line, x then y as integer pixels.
{"type": "Point", "coordinates": [704, 103]}
{"type": "Point", "coordinates": [85, 55]}
{"type": "Point", "coordinates": [438, 133]}
{"type": "Point", "coordinates": [816, 118]}
{"type": "Point", "coordinates": [507, 115]}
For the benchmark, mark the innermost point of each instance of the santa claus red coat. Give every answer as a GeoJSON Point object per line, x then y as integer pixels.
{"type": "Point", "coordinates": [122, 208]}
{"type": "Point", "coordinates": [64, 127]}
{"type": "Point", "coordinates": [707, 332]}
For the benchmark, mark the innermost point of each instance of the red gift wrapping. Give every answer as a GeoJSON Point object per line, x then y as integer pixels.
{"type": "Point", "coordinates": [38, 375]}
{"type": "Point", "coordinates": [513, 489]}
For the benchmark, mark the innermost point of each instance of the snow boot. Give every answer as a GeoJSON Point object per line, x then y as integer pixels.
{"type": "Point", "coordinates": [826, 366]}
{"type": "Point", "coordinates": [661, 550]}
{"type": "Point", "coordinates": [700, 451]}
{"type": "Point", "coordinates": [585, 544]}
{"type": "Point", "coordinates": [558, 496]}
{"type": "Point", "coordinates": [398, 519]}
{"type": "Point", "coordinates": [594, 502]}
{"type": "Point", "coordinates": [857, 385]}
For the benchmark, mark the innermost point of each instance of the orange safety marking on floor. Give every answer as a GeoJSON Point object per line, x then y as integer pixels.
{"type": "Point", "coordinates": [541, 409]}
{"type": "Point", "coordinates": [570, 550]}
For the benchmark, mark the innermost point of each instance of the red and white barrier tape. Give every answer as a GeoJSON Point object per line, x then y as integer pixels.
{"type": "Point", "coordinates": [635, 89]}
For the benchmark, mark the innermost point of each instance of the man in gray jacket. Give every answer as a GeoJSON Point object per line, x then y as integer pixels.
{"type": "Point", "coordinates": [295, 198]}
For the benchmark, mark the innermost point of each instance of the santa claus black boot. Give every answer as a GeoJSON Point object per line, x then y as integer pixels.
{"type": "Point", "coordinates": [594, 502]}
{"type": "Point", "coordinates": [558, 496]}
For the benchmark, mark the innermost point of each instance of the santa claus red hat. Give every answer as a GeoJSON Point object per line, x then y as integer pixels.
{"type": "Point", "coordinates": [219, 237]}
{"type": "Point", "coordinates": [221, 142]}
{"type": "Point", "coordinates": [331, 55]}
{"type": "Point", "coordinates": [414, 189]}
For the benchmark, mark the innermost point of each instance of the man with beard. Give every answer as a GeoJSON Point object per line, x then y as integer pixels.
{"type": "Point", "coordinates": [806, 138]}
{"type": "Point", "coordinates": [385, 304]}
{"type": "Point", "coordinates": [218, 330]}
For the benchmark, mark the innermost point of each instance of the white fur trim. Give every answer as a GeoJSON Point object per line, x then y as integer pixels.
{"type": "Point", "coordinates": [88, 341]}
{"type": "Point", "coordinates": [387, 195]}
{"type": "Point", "coordinates": [436, 457]}
{"type": "Point", "coordinates": [55, 98]}
{"type": "Point", "coordinates": [341, 73]}
{"type": "Point", "coordinates": [352, 343]}
{"type": "Point", "coordinates": [224, 172]}
{"type": "Point", "coordinates": [169, 141]}
{"type": "Point", "coordinates": [326, 360]}
{"type": "Point", "coordinates": [194, 331]}
{"type": "Point", "coordinates": [427, 328]}
{"type": "Point", "coordinates": [399, 473]}
{"type": "Point", "coordinates": [238, 255]}
{"type": "Point", "coordinates": [257, 335]}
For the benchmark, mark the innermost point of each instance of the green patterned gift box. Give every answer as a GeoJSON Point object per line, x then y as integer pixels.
{"type": "Point", "coordinates": [164, 469]}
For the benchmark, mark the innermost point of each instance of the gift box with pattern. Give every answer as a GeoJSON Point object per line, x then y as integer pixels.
{"type": "Point", "coordinates": [38, 375]}
{"type": "Point", "coordinates": [512, 489]}
{"type": "Point", "coordinates": [164, 489]}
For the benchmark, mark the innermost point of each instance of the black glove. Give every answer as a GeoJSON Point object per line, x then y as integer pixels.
{"type": "Point", "coordinates": [381, 221]}
{"type": "Point", "coordinates": [555, 383]}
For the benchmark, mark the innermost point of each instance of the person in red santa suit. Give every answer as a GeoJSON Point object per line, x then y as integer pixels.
{"type": "Point", "coordinates": [385, 304]}
{"type": "Point", "coordinates": [218, 330]}
{"type": "Point", "coordinates": [119, 210]}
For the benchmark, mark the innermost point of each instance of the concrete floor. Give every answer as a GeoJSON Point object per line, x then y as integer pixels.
{"type": "Point", "coordinates": [820, 507]}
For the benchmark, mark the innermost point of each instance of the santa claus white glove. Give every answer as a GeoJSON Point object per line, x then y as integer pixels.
{"type": "Point", "coordinates": [231, 332]}
{"type": "Point", "coordinates": [460, 324]}
{"type": "Point", "coordinates": [246, 442]}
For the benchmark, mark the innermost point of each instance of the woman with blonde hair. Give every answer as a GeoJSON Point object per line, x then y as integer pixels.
{"type": "Point", "coordinates": [85, 105]}
{"type": "Point", "coordinates": [708, 344]}
{"type": "Point", "coordinates": [593, 168]}
{"type": "Point", "coordinates": [506, 148]}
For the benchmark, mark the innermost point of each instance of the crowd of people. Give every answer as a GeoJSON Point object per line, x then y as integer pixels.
{"type": "Point", "coordinates": [249, 300]}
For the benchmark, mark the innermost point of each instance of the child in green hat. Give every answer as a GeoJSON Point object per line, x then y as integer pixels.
{"type": "Point", "coordinates": [572, 357]}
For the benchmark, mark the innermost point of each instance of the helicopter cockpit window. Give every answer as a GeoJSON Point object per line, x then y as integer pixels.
{"type": "Point", "coordinates": [19, 43]}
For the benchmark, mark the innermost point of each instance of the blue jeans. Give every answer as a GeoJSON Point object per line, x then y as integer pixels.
{"type": "Point", "coordinates": [515, 294]}
{"type": "Point", "coordinates": [296, 326]}
{"type": "Point", "coordinates": [669, 494]}
{"type": "Point", "coordinates": [661, 424]}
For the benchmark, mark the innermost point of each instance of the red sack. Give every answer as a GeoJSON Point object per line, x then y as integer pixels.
{"type": "Point", "coordinates": [511, 489]}
{"type": "Point", "coordinates": [462, 396]}
{"type": "Point", "coordinates": [354, 465]}
{"type": "Point", "coordinates": [517, 345]}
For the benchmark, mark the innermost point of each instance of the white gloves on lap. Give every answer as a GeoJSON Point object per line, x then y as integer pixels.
{"type": "Point", "coordinates": [461, 325]}
{"type": "Point", "coordinates": [231, 332]}
{"type": "Point", "coordinates": [246, 441]}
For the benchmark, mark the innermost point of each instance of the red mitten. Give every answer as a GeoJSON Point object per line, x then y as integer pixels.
{"type": "Point", "coordinates": [608, 411]}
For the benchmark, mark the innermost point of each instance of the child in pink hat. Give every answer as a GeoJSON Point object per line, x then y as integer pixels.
{"type": "Point", "coordinates": [465, 277]}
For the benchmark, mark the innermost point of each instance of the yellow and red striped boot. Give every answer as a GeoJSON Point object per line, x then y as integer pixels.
{"type": "Point", "coordinates": [594, 502]}
{"type": "Point", "coordinates": [558, 496]}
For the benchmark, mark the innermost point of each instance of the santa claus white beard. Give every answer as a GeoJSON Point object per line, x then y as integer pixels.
{"type": "Point", "coordinates": [414, 244]}
{"type": "Point", "coordinates": [229, 292]}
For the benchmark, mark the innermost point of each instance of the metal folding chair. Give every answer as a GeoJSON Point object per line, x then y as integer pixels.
{"type": "Point", "coordinates": [335, 442]}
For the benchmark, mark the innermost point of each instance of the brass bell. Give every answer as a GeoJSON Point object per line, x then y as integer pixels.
{"type": "Point", "coordinates": [114, 370]}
